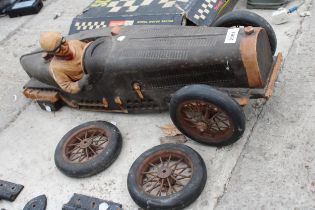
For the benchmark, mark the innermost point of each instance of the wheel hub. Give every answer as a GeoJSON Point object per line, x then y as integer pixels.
{"type": "Point", "coordinates": [202, 126]}
{"type": "Point", "coordinates": [164, 172]}
{"type": "Point", "coordinates": [85, 143]}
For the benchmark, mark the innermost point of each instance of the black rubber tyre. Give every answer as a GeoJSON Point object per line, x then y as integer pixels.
{"type": "Point", "coordinates": [247, 18]}
{"type": "Point", "coordinates": [177, 199]}
{"type": "Point", "coordinates": [207, 115]}
{"type": "Point", "coordinates": [49, 106]}
{"type": "Point", "coordinates": [97, 142]}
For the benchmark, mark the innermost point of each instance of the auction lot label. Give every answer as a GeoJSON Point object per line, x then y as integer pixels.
{"type": "Point", "coordinates": [231, 36]}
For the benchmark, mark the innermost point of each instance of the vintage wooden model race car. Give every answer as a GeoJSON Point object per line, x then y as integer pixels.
{"type": "Point", "coordinates": [202, 74]}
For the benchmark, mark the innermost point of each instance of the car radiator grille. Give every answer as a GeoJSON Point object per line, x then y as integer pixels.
{"type": "Point", "coordinates": [216, 75]}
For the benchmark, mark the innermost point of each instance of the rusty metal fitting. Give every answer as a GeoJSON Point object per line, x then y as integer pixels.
{"type": "Point", "coordinates": [41, 95]}
{"type": "Point", "coordinates": [105, 102]}
{"type": "Point", "coordinates": [249, 30]}
{"type": "Point", "coordinates": [118, 101]}
{"type": "Point", "coordinates": [136, 86]}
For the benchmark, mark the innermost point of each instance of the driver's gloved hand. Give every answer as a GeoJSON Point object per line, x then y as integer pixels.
{"type": "Point", "coordinates": [84, 83]}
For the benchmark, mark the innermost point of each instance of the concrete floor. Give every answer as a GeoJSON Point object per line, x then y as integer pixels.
{"type": "Point", "coordinates": [271, 167]}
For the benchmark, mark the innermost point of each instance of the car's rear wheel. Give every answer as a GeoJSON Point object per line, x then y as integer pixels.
{"type": "Point", "coordinates": [246, 18]}
{"type": "Point", "coordinates": [207, 115]}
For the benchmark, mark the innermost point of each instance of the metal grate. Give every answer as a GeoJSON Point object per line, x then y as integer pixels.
{"type": "Point", "coordinates": [141, 104]}
{"type": "Point", "coordinates": [90, 104]}
{"type": "Point", "coordinates": [216, 75]}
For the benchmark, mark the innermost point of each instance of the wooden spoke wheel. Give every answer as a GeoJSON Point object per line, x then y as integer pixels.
{"type": "Point", "coordinates": [87, 144]}
{"type": "Point", "coordinates": [88, 149]}
{"type": "Point", "coordinates": [207, 115]}
{"type": "Point", "coordinates": [168, 176]}
{"type": "Point", "coordinates": [165, 174]}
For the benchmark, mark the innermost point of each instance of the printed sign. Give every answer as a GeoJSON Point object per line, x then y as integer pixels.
{"type": "Point", "coordinates": [121, 23]}
{"type": "Point", "coordinates": [231, 36]}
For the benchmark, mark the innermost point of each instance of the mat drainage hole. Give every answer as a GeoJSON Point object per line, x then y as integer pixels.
{"type": "Point", "coordinates": [34, 205]}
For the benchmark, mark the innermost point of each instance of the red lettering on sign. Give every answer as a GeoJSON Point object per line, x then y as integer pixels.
{"type": "Point", "coordinates": [117, 23]}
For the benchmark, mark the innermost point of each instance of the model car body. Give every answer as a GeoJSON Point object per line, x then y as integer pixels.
{"type": "Point", "coordinates": [144, 68]}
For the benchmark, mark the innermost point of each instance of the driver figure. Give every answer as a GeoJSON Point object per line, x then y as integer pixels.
{"type": "Point", "coordinates": [66, 65]}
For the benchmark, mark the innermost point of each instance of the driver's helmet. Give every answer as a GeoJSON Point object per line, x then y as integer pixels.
{"type": "Point", "coordinates": [51, 41]}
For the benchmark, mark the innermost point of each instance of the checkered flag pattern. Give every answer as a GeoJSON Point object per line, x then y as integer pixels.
{"type": "Point", "coordinates": [81, 26]}
{"type": "Point", "coordinates": [170, 3]}
{"type": "Point", "coordinates": [100, 3]}
{"type": "Point", "coordinates": [132, 5]}
{"type": "Point", "coordinates": [204, 10]}
{"type": "Point", "coordinates": [127, 5]}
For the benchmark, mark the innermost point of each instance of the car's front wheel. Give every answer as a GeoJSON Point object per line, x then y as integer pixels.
{"type": "Point", "coordinates": [207, 115]}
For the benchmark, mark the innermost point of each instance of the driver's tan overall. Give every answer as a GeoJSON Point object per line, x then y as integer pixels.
{"type": "Point", "coordinates": [67, 72]}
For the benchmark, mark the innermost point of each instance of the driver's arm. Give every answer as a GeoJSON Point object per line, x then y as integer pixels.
{"type": "Point", "coordinates": [65, 83]}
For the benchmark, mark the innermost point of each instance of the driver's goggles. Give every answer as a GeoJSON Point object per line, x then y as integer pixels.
{"type": "Point", "coordinates": [58, 48]}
